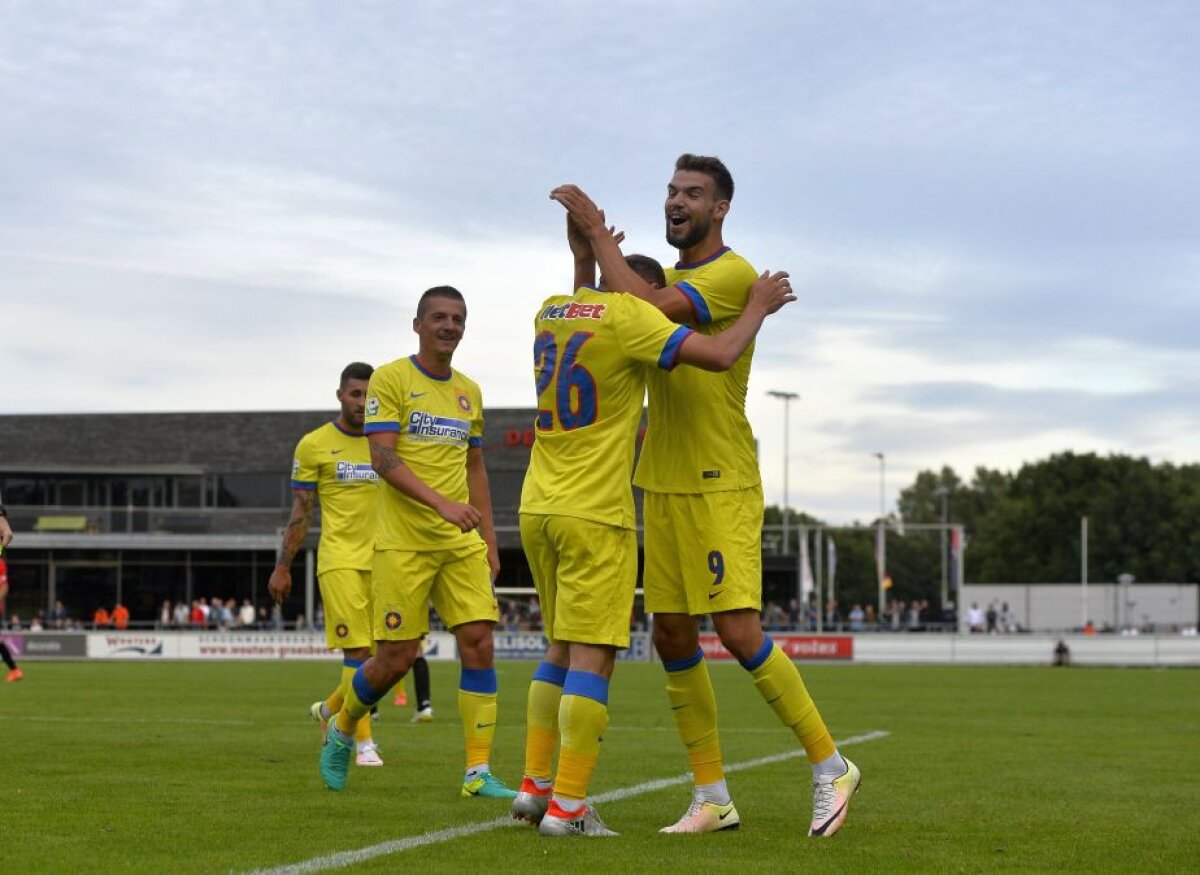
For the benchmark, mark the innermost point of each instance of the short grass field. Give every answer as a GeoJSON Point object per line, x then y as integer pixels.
{"type": "Point", "coordinates": [189, 767]}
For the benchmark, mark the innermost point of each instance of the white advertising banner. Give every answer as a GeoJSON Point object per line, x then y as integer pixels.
{"type": "Point", "coordinates": [132, 645]}
{"type": "Point", "coordinates": [235, 645]}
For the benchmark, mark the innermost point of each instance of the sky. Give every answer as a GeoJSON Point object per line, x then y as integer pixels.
{"type": "Point", "coordinates": [989, 211]}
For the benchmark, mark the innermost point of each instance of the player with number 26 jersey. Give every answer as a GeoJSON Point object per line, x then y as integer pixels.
{"type": "Point", "coordinates": [590, 355]}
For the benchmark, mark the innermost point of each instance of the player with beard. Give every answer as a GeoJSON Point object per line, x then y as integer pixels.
{"type": "Point", "coordinates": [332, 465]}
{"type": "Point", "coordinates": [703, 508]}
{"type": "Point", "coordinates": [592, 349]}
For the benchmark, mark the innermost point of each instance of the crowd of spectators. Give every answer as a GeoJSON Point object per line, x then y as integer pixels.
{"type": "Point", "coordinates": [898, 616]}
{"type": "Point", "coordinates": [222, 615]}
{"type": "Point", "coordinates": [524, 615]}
{"type": "Point", "coordinates": [57, 620]}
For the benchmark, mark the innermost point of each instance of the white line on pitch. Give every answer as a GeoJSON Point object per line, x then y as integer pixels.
{"type": "Point", "coordinates": [395, 846]}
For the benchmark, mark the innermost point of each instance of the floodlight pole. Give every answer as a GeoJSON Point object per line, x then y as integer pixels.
{"type": "Point", "coordinates": [1083, 566]}
{"type": "Point", "coordinates": [787, 398]}
{"type": "Point", "coordinates": [882, 535]}
{"type": "Point", "coordinates": [943, 493]}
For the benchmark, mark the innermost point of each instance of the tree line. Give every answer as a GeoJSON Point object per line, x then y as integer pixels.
{"type": "Point", "coordinates": [1143, 519]}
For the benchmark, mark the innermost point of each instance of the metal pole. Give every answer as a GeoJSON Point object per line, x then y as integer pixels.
{"type": "Point", "coordinates": [787, 398]}
{"type": "Point", "coordinates": [819, 571]}
{"type": "Point", "coordinates": [822, 600]}
{"type": "Point", "coordinates": [1083, 569]}
{"type": "Point", "coordinates": [786, 503]}
{"type": "Point", "coordinates": [943, 493]}
{"type": "Point", "coordinates": [960, 565]}
{"type": "Point", "coordinates": [882, 533]}
{"type": "Point", "coordinates": [802, 532]}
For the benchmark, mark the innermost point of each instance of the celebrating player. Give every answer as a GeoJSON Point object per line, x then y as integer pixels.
{"type": "Point", "coordinates": [433, 537]}
{"type": "Point", "coordinates": [704, 508]}
{"type": "Point", "coordinates": [578, 524]}
{"type": "Point", "coordinates": [332, 465]}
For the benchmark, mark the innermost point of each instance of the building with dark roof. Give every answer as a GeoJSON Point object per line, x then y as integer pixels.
{"type": "Point", "coordinates": [144, 508]}
{"type": "Point", "coordinates": [147, 508]}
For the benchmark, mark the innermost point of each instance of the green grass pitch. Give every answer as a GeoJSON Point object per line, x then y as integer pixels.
{"type": "Point", "coordinates": [192, 767]}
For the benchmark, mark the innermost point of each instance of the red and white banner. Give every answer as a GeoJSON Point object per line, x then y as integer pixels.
{"type": "Point", "coordinates": [795, 646]}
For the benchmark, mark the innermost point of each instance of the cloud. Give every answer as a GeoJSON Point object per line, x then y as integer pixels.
{"type": "Point", "coordinates": [988, 211]}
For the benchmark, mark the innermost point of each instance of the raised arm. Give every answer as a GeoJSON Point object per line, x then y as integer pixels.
{"type": "Point", "coordinates": [581, 251]}
{"type": "Point", "coordinates": [620, 276]}
{"type": "Point", "coordinates": [718, 352]}
{"type": "Point", "coordinates": [280, 584]}
{"type": "Point", "coordinates": [392, 470]}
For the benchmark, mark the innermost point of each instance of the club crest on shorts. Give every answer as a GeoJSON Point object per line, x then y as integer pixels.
{"type": "Point", "coordinates": [342, 630]}
{"type": "Point", "coordinates": [392, 620]}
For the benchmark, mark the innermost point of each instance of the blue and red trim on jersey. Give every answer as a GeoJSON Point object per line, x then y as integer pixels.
{"type": "Point", "coordinates": [378, 427]}
{"type": "Point", "coordinates": [416, 364]}
{"type": "Point", "coordinates": [306, 485]}
{"type": "Point", "coordinates": [696, 300]}
{"type": "Point", "coordinates": [669, 357]}
{"type": "Point", "coordinates": [352, 434]}
{"type": "Point", "coordinates": [679, 265]}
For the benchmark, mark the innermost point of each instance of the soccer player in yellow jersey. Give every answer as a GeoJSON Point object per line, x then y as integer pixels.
{"type": "Point", "coordinates": [578, 528]}
{"type": "Point", "coordinates": [434, 540]}
{"type": "Point", "coordinates": [332, 465]}
{"type": "Point", "coordinates": [703, 504]}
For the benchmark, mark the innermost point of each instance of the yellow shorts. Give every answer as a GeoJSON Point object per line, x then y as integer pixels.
{"type": "Point", "coordinates": [703, 551]}
{"type": "Point", "coordinates": [457, 582]}
{"type": "Point", "coordinates": [585, 574]}
{"type": "Point", "coordinates": [346, 595]}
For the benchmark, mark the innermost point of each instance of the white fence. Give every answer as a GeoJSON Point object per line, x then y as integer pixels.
{"type": "Point", "coordinates": [1043, 606]}
{"type": "Point", "coordinates": [912, 649]}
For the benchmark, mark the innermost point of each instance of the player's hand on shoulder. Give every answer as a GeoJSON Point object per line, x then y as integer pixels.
{"type": "Point", "coordinates": [772, 291]}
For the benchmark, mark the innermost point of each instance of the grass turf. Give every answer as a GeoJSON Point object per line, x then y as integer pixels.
{"type": "Point", "coordinates": [194, 767]}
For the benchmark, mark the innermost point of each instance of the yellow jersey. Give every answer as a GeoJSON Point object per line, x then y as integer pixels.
{"type": "Point", "coordinates": [435, 420]}
{"type": "Point", "coordinates": [591, 352]}
{"type": "Point", "coordinates": [337, 465]}
{"type": "Point", "coordinates": [698, 438]}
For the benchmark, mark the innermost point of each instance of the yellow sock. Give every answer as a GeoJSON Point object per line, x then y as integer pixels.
{"type": "Point", "coordinates": [582, 718]}
{"type": "Point", "coordinates": [541, 719]}
{"type": "Point", "coordinates": [478, 712]}
{"type": "Point", "coordinates": [779, 682]}
{"type": "Point", "coordinates": [359, 699]}
{"type": "Point", "coordinates": [362, 730]}
{"type": "Point", "coordinates": [694, 707]}
{"type": "Point", "coordinates": [338, 697]}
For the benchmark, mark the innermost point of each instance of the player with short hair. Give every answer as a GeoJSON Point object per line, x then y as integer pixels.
{"type": "Point", "coordinates": [578, 524]}
{"type": "Point", "coordinates": [704, 507]}
{"type": "Point", "coordinates": [332, 465]}
{"type": "Point", "coordinates": [434, 540]}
